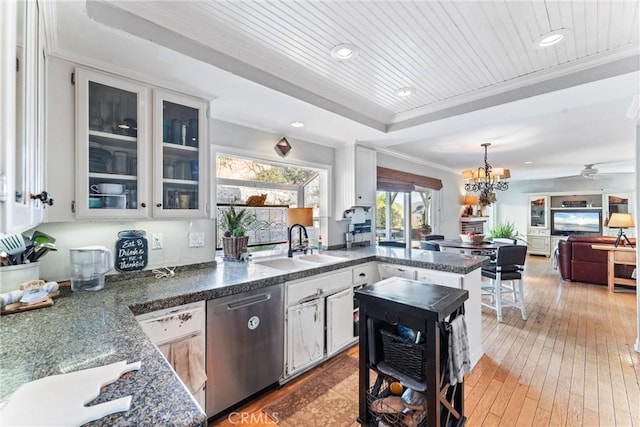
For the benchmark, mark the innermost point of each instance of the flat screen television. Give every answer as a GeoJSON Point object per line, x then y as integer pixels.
{"type": "Point", "coordinates": [572, 221]}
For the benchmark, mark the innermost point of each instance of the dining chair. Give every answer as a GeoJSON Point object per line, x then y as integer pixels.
{"type": "Point", "coordinates": [502, 276]}
{"type": "Point", "coordinates": [429, 246]}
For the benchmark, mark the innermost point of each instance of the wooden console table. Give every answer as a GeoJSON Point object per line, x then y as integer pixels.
{"type": "Point", "coordinates": [618, 255]}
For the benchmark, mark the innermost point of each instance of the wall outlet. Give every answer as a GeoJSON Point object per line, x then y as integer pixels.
{"type": "Point", "coordinates": [156, 241]}
{"type": "Point", "coordinates": [196, 240]}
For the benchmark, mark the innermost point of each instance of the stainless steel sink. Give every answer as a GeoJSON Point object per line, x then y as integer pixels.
{"type": "Point", "coordinates": [287, 264]}
{"type": "Point", "coordinates": [321, 258]}
{"type": "Point", "coordinates": [301, 262]}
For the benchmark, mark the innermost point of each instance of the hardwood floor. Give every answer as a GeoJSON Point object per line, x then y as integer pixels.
{"type": "Point", "coordinates": [572, 363]}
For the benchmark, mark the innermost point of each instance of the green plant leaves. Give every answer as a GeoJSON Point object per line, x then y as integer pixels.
{"type": "Point", "coordinates": [236, 221]}
{"type": "Point", "coordinates": [506, 230]}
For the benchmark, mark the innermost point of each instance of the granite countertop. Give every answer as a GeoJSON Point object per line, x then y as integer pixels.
{"type": "Point", "coordinates": [88, 329]}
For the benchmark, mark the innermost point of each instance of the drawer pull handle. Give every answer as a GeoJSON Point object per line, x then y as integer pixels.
{"type": "Point", "coordinates": [362, 274]}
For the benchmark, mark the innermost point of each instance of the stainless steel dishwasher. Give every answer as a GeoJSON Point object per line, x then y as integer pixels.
{"type": "Point", "coordinates": [245, 346]}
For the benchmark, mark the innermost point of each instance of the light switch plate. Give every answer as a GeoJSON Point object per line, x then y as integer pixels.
{"type": "Point", "coordinates": [156, 241]}
{"type": "Point", "coordinates": [196, 240]}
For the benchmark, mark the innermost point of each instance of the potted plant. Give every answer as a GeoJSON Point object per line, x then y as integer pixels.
{"type": "Point", "coordinates": [424, 229]}
{"type": "Point", "coordinates": [505, 232]}
{"type": "Point", "coordinates": [234, 223]}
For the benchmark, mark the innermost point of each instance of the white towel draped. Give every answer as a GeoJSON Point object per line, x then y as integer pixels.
{"type": "Point", "coordinates": [459, 360]}
{"type": "Point", "coordinates": [186, 358]}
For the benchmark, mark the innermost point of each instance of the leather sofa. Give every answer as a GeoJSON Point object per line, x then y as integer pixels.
{"type": "Point", "coordinates": [578, 262]}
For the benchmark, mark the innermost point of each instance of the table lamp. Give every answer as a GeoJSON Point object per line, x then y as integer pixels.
{"type": "Point", "coordinates": [621, 221]}
{"type": "Point", "coordinates": [299, 216]}
{"type": "Point", "coordinates": [471, 201]}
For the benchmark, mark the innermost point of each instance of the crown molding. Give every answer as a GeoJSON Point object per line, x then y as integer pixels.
{"type": "Point", "coordinates": [49, 13]}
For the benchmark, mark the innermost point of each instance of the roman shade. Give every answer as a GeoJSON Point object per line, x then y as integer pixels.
{"type": "Point", "coordinates": [394, 180]}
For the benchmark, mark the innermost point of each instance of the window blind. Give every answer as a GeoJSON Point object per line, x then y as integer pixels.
{"type": "Point", "coordinates": [394, 180]}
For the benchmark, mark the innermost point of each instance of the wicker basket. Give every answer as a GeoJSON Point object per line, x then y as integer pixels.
{"type": "Point", "coordinates": [232, 247]}
{"type": "Point", "coordinates": [404, 356]}
{"type": "Point", "coordinates": [390, 419]}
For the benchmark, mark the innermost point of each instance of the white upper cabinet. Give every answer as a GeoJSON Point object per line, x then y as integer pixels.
{"type": "Point", "coordinates": [112, 154]}
{"type": "Point", "coordinates": [139, 152]}
{"type": "Point", "coordinates": [22, 192]}
{"type": "Point", "coordinates": [179, 156]}
{"type": "Point", "coordinates": [355, 178]}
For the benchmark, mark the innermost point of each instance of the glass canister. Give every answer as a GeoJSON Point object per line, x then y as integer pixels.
{"type": "Point", "coordinates": [120, 162]}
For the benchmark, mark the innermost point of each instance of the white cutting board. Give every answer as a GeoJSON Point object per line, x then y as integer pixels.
{"type": "Point", "coordinates": [59, 400]}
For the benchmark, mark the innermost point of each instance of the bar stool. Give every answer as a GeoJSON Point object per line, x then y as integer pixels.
{"type": "Point", "coordinates": [507, 268]}
{"type": "Point", "coordinates": [429, 246]}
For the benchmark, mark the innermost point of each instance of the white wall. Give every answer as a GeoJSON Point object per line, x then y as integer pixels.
{"type": "Point", "coordinates": [450, 196]}
{"type": "Point", "coordinates": [235, 139]}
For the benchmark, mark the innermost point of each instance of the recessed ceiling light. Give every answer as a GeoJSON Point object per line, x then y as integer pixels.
{"type": "Point", "coordinates": [528, 162]}
{"type": "Point", "coordinates": [297, 124]}
{"type": "Point", "coordinates": [405, 91]}
{"type": "Point", "coordinates": [344, 52]}
{"type": "Point", "coordinates": [552, 38]}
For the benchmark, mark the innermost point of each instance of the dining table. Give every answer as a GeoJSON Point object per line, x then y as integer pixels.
{"type": "Point", "coordinates": [471, 248]}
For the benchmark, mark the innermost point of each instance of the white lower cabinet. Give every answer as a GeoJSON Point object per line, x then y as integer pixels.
{"type": "Point", "coordinates": [538, 241]}
{"type": "Point", "coordinates": [473, 314]}
{"type": "Point", "coordinates": [305, 332]}
{"type": "Point", "coordinates": [339, 320]}
{"type": "Point", "coordinates": [319, 320]}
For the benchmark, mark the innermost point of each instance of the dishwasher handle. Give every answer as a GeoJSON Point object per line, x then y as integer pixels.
{"type": "Point", "coordinates": [245, 302]}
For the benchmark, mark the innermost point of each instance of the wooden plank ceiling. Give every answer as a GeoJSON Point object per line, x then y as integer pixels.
{"type": "Point", "coordinates": [447, 50]}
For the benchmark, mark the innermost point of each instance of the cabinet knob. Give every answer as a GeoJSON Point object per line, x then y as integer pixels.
{"type": "Point", "coordinates": [158, 205]}
{"type": "Point", "coordinates": [44, 197]}
{"type": "Point", "coordinates": [144, 205]}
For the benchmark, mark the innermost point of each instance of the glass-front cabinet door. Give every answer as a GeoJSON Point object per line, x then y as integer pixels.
{"type": "Point", "coordinates": [180, 150]}
{"type": "Point", "coordinates": [538, 211]}
{"type": "Point", "coordinates": [111, 147]}
{"type": "Point", "coordinates": [616, 202]}
{"type": "Point", "coordinates": [22, 65]}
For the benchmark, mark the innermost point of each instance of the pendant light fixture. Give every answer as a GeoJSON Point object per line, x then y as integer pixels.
{"type": "Point", "coordinates": [486, 180]}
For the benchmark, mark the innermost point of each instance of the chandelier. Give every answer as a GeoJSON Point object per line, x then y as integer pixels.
{"type": "Point", "coordinates": [486, 180]}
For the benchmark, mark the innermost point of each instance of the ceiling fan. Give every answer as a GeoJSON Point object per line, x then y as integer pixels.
{"type": "Point", "coordinates": [589, 172]}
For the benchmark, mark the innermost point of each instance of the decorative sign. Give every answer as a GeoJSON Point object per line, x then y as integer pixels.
{"type": "Point", "coordinates": [131, 250]}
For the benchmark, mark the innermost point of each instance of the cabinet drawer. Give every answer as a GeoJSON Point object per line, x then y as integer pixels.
{"type": "Point", "coordinates": [625, 257]}
{"type": "Point", "coordinates": [317, 285]}
{"type": "Point", "coordinates": [440, 278]}
{"type": "Point", "coordinates": [539, 231]}
{"type": "Point", "coordinates": [392, 270]}
{"type": "Point", "coordinates": [365, 274]}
